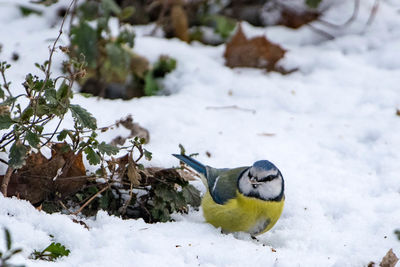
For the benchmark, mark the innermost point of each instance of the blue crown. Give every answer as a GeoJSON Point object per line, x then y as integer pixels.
{"type": "Point", "coordinates": [264, 164]}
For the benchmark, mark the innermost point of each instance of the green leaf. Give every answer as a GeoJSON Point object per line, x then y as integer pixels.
{"type": "Point", "coordinates": [5, 121]}
{"type": "Point", "coordinates": [39, 128]}
{"type": "Point", "coordinates": [17, 155]}
{"type": "Point", "coordinates": [44, 2]}
{"type": "Point", "coordinates": [8, 238]}
{"type": "Point", "coordinates": [191, 195]}
{"type": "Point", "coordinates": [56, 250]}
{"type": "Point", "coordinates": [88, 10]}
{"type": "Point", "coordinates": [117, 65]}
{"type": "Point", "coordinates": [151, 86]}
{"type": "Point", "coordinates": [126, 36]}
{"type": "Point", "coordinates": [86, 95]}
{"type": "Point", "coordinates": [107, 149]}
{"type": "Point", "coordinates": [183, 150]}
{"type": "Point", "coordinates": [397, 232]}
{"type": "Point", "coordinates": [104, 201]}
{"type": "Point", "coordinates": [62, 135]}
{"type": "Point", "coordinates": [63, 92]}
{"type": "Point", "coordinates": [32, 138]}
{"type": "Point", "coordinates": [147, 154]}
{"type": "Point", "coordinates": [83, 117]}
{"type": "Point", "coordinates": [1, 93]}
{"type": "Point", "coordinates": [27, 114]}
{"type": "Point", "coordinates": [313, 3]}
{"type": "Point", "coordinates": [109, 6]}
{"type": "Point", "coordinates": [224, 26]}
{"type": "Point", "coordinates": [26, 11]}
{"type": "Point", "coordinates": [163, 66]}
{"type": "Point", "coordinates": [92, 156]}
{"type": "Point", "coordinates": [84, 38]}
{"type": "Point", "coordinates": [126, 13]}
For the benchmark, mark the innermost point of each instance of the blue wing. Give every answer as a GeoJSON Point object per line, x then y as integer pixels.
{"type": "Point", "coordinates": [199, 167]}
{"type": "Point", "coordinates": [222, 183]}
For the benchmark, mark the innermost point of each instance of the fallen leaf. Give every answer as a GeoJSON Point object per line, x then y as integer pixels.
{"type": "Point", "coordinates": [35, 181]}
{"type": "Point", "coordinates": [389, 260]}
{"type": "Point", "coordinates": [257, 52]}
{"type": "Point", "coordinates": [179, 22]}
{"type": "Point", "coordinates": [133, 174]}
{"type": "Point", "coordinates": [398, 112]}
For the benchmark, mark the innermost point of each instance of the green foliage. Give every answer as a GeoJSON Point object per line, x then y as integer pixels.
{"type": "Point", "coordinates": [5, 121]}
{"type": "Point", "coordinates": [397, 232]}
{"type": "Point", "coordinates": [10, 252]}
{"type": "Point", "coordinates": [26, 11]}
{"type": "Point", "coordinates": [84, 40]}
{"type": "Point", "coordinates": [82, 117]}
{"type": "Point", "coordinates": [107, 149]}
{"type": "Point", "coordinates": [222, 25]}
{"type": "Point", "coordinates": [112, 65]}
{"type": "Point", "coordinates": [18, 153]}
{"type": "Point", "coordinates": [313, 3]}
{"type": "Point", "coordinates": [92, 156]}
{"type": "Point", "coordinates": [51, 253]}
{"type": "Point", "coordinates": [162, 67]}
{"type": "Point", "coordinates": [170, 193]}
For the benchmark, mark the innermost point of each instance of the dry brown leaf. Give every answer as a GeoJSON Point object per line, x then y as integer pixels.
{"type": "Point", "coordinates": [136, 131]}
{"type": "Point", "coordinates": [294, 19]}
{"type": "Point", "coordinates": [139, 65]}
{"type": "Point", "coordinates": [389, 260]}
{"type": "Point", "coordinates": [257, 52]}
{"type": "Point", "coordinates": [398, 112]}
{"type": "Point", "coordinates": [133, 174]}
{"type": "Point", "coordinates": [179, 22]}
{"type": "Point", "coordinates": [35, 181]}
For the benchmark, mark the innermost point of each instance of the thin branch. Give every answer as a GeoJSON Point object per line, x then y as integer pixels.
{"type": "Point", "coordinates": [5, 85]}
{"type": "Point", "coordinates": [6, 180]}
{"type": "Point", "coordinates": [372, 16]}
{"type": "Point", "coordinates": [91, 199]}
{"type": "Point", "coordinates": [125, 206]}
{"type": "Point", "coordinates": [321, 32]}
{"type": "Point", "coordinates": [54, 132]}
{"type": "Point", "coordinates": [234, 107]}
{"type": "Point", "coordinates": [346, 23]}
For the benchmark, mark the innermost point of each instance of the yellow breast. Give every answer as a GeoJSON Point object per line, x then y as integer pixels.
{"type": "Point", "coordinates": [242, 214]}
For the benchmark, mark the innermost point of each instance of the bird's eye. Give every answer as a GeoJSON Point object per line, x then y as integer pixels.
{"type": "Point", "coordinates": [268, 178]}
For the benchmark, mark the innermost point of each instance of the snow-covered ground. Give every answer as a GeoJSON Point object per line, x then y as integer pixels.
{"type": "Point", "coordinates": [330, 127]}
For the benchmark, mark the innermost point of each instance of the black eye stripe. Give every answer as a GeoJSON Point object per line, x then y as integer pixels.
{"type": "Point", "coordinates": [268, 178]}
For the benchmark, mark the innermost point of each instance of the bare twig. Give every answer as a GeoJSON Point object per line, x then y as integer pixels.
{"type": "Point", "coordinates": [321, 32]}
{"type": "Point", "coordinates": [372, 16]}
{"type": "Point", "coordinates": [161, 15]}
{"type": "Point", "coordinates": [346, 23]}
{"type": "Point", "coordinates": [6, 180]}
{"type": "Point", "coordinates": [5, 83]}
{"type": "Point", "coordinates": [54, 132]}
{"type": "Point", "coordinates": [125, 206]}
{"type": "Point", "coordinates": [234, 107]}
{"type": "Point", "coordinates": [91, 199]}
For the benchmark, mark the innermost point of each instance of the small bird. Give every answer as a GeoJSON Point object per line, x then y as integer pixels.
{"type": "Point", "coordinates": [245, 199]}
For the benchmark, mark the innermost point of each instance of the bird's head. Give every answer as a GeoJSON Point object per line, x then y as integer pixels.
{"type": "Point", "coordinates": [262, 180]}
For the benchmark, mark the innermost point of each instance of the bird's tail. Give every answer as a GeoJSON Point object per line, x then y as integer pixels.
{"type": "Point", "coordinates": [199, 167]}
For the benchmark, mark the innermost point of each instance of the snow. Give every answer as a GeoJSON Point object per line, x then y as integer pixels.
{"type": "Point", "coordinates": [335, 140]}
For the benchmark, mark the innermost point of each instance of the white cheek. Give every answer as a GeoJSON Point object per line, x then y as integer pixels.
{"type": "Point", "coordinates": [270, 190]}
{"type": "Point", "coordinates": [245, 186]}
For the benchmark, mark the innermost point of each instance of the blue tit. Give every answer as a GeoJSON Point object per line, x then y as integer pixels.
{"type": "Point", "coordinates": [245, 199]}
